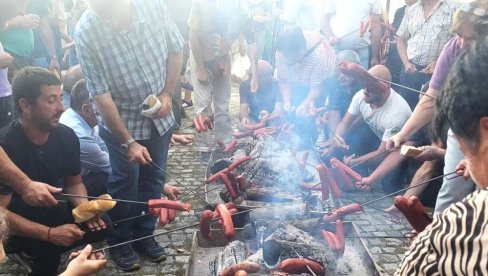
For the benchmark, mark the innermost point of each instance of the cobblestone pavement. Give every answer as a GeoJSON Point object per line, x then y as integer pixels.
{"type": "Point", "coordinates": [184, 163]}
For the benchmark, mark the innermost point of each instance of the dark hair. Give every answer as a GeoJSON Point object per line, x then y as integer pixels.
{"type": "Point", "coordinates": [291, 40]}
{"type": "Point", "coordinates": [79, 95]}
{"type": "Point", "coordinates": [465, 98]}
{"type": "Point", "coordinates": [27, 84]}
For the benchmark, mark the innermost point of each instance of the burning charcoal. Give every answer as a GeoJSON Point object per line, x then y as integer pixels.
{"type": "Point", "coordinates": [235, 252]}
{"type": "Point", "coordinates": [288, 240]}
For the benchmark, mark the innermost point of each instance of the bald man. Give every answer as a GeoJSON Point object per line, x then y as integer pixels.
{"type": "Point", "coordinates": [72, 76]}
{"type": "Point", "coordinates": [267, 98]}
{"type": "Point", "coordinates": [383, 110]}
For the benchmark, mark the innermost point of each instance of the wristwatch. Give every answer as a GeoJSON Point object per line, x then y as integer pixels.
{"type": "Point", "coordinates": [125, 146]}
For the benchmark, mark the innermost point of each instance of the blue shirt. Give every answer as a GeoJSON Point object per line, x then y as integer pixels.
{"type": "Point", "coordinates": [93, 151]}
{"type": "Point", "coordinates": [130, 64]}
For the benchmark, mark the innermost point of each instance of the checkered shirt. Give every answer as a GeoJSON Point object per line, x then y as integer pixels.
{"type": "Point", "coordinates": [130, 64]}
{"type": "Point", "coordinates": [426, 37]}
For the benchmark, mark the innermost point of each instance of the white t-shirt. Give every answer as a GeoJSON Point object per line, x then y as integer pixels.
{"type": "Point", "coordinates": [347, 18]}
{"type": "Point", "coordinates": [386, 120]}
{"type": "Point", "coordinates": [307, 14]}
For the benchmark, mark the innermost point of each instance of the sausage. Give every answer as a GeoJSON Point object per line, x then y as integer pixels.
{"type": "Point", "coordinates": [341, 212]}
{"type": "Point", "coordinates": [331, 242]}
{"type": "Point", "coordinates": [254, 126]}
{"type": "Point", "coordinates": [205, 222]}
{"type": "Point", "coordinates": [238, 162]}
{"type": "Point", "coordinates": [196, 122]}
{"type": "Point", "coordinates": [243, 134]}
{"type": "Point", "coordinates": [155, 211]}
{"type": "Point", "coordinates": [341, 242]}
{"type": "Point", "coordinates": [336, 191]}
{"type": "Point", "coordinates": [303, 161]}
{"type": "Point", "coordinates": [249, 267]}
{"type": "Point", "coordinates": [299, 266]}
{"type": "Point", "coordinates": [208, 123]}
{"type": "Point", "coordinates": [231, 146]}
{"type": "Point", "coordinates": [228, 225]}
{"type": "Point", "coordinates": [346, 179]}
{"type": "Point", "coordinates": [323, 181]}
{"type": "Point", "coordinates": [241, 182]}
{"type": "Point", "coordinates": [241, 273]}
{"type": "Point", "coordinates": [221, 144]}
{"type": "Point", "coordinates": [228, 184]}
{"type": "Point", "coordinates": [172, 215]}
{"type": "Point", "coordinates": [163, 217]}
{"type": "Point", "coordinates": [216, 175]}
{"type": "Point", "coordinates": [229, 206]}
{"type": "Point", "coordinates": [346, 169]}
{"type": "Point", "coordinates": [170, 204]}
{"type": "Point", "coordinates": [414, 211]}
{"type": "Point", "coordinates": [201, 121]}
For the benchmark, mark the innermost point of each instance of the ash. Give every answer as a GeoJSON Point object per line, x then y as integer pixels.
{"type": "Point", "coordinates": [272, 165]}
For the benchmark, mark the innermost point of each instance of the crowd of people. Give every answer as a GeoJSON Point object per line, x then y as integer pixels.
{"type": "Point", "coordinates": [73, 78]}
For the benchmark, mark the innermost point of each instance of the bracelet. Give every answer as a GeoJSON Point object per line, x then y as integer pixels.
{"type": "Point", "coordinates": [49, 234]}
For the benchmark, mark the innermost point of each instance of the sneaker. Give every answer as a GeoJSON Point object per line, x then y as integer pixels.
{"type": "Point", "coordinates": [205, 157]}
{"type": "Point", "coordinates": [150, 249]}
{"type": "Point", "coordinates": [125, 258]}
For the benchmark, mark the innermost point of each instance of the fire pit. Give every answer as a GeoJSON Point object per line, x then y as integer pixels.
{"type": "Point", "coordinates": [205, 254]}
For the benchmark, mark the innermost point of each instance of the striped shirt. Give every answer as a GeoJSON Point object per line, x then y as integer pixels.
{"type": "Point", "coordinates": [130, 64]}
{"type": "Point", "coordinates": [426, 37]}
{"type": "Point", "coordinates": [311, 71]}
{"type": "Point", "coordinates": [455, 243]}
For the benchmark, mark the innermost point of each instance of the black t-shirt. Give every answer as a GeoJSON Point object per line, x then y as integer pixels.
{"type": "Point", "coordinates": [340, 97]}
{"type": "Point", "coordinates": [264, 99]}
{"type": "Point", "coordinates": [50, 163]}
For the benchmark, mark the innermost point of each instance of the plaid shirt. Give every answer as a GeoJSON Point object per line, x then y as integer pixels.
{"type": "Point", "coordinates": [426, 37]}
{"type": "Point", "coordinates": [130, 64]}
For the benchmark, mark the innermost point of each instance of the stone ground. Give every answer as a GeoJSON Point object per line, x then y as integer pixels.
{"type": "Point", "coordinates": [184, 164]}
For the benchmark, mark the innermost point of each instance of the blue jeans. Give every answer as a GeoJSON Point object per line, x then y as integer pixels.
{"type": "Point", "coordinates": [453, 189]}
{"type": "Point", "coordinates": [132, 181]}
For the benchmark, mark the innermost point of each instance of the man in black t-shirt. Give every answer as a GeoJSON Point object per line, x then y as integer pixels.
{"type": "Point", "coordinates": [47, 152]}
{"type": "Point", "coordinates": [267, 98]}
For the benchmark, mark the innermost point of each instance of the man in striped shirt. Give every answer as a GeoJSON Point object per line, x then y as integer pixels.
{"type": "Point", "coordinates": [306, 64]}
{"type": "Point", "coordinates": [456, 242]}
{"type": "Point", "coordinates": [128, 50]}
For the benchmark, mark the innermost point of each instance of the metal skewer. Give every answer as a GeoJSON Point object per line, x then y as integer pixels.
{"type": "Point", "coordinates": [405, 87]}
{"type": "Point", "coordinates": [163, 233]}
{"type": "Point", "coordinates": [372, 157]}
{"type": "Point", "coordinates": [408, 188]}
{"type": "Point", "coordinates": [299, 256]}
{"type": "Point", "coordinates": [112, 199]}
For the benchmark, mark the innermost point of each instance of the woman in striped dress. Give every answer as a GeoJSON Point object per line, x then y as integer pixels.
{"type": "Point", "coordinates": [456, 243]}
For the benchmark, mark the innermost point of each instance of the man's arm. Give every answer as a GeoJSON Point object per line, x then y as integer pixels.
{"type": "Point", "coordinates": [93, 157]}
{"type": "Point", "coordinates": [370, 155]}
{"type": "Point", "coordinates": [375, 25]}
{"type": "Point", "coordinates": [47, 36]}
{"type": "Point", "coordinates": [111, 117]}
{"type": "Point", "coordinates": [344, 125]}
{"type": "Point", "coordinates": [173, 70]}
{"type": "Point", "coordinates": [194, 21]}
{"type": "Point", "coordinates": [32, 192]}
{"type": "Point", "coordinates": [402, 52]}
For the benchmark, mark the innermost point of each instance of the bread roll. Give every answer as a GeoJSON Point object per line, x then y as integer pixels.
{"type": "Point", "coordinates": [89, 209]}
{"type": "Point", "coordinates": [411, 151]}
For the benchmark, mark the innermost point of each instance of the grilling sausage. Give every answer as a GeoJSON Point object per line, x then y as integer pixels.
{"type": "Point", "coordinates": [338, 164]}
{"type": "Point", "coordinates": [228, 225]}
{"type": "Point", "coordinates": [339, 172]}
{"type": "Point", "coordinates": [231, 146]}
{"type": "Point", "coordinates": [205, 222]}
{"type": "Point", "coordinates": [170, 204]}
{"type": "Point", "coordinates": [341, 212]}
{"type": "Point", "coordinates": [172, 215]}
{"type": "Point", "coordinates": [299, 266]}
{"type": "Point", "coordinates": [341, 242]}
{"type": "Point", "coordinates": [228, 184]}
{"type": "Point", "coordinates": [163, 217]}
{"type": "Point", "coordinates": [323, 181]}
{"type": "Point", "coordinates": [414, 211]}
{"type": "Point", "coordinates": [196, 122]}
{"type": "Point", "coordinates": [249, 267]}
